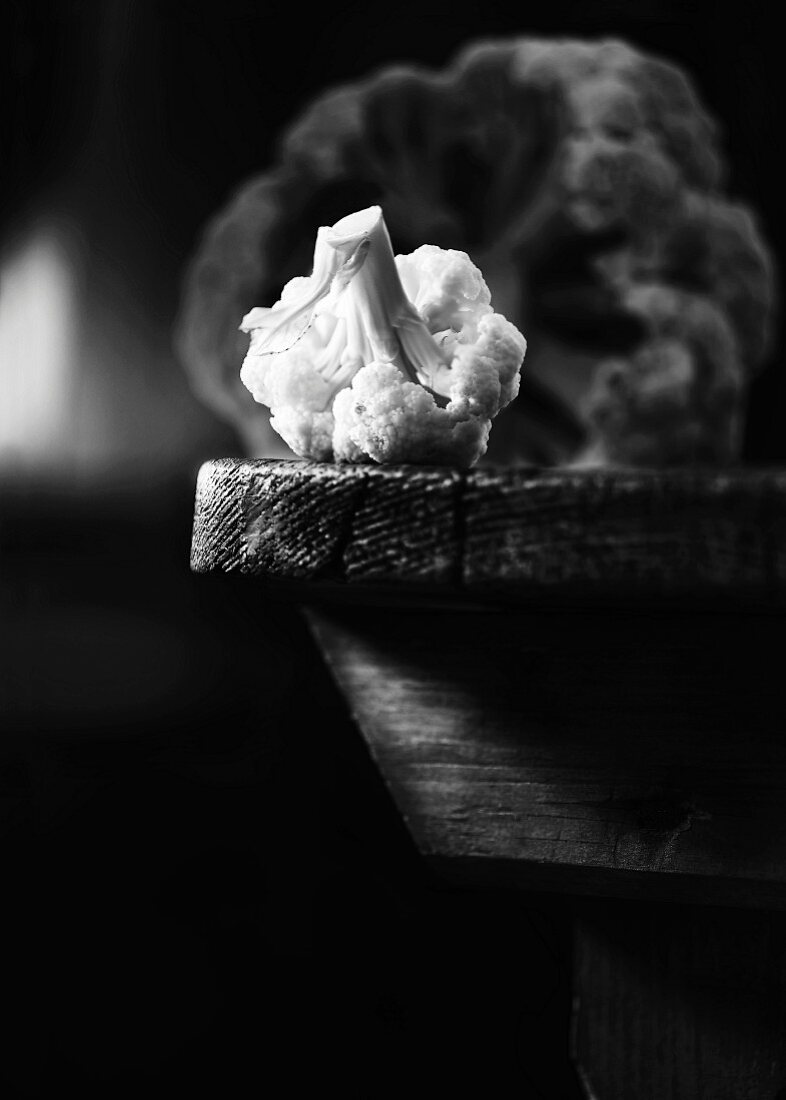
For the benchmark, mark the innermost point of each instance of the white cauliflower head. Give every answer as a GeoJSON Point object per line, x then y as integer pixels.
{"type": "Point", "coordinates": [376, 358]}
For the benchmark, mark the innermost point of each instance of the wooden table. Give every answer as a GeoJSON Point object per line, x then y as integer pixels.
{"type": "Point", "coordinates": [572, 681]}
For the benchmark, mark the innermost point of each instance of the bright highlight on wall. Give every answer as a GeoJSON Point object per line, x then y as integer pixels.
{"type": "Point", "coordinates": [37, 325]}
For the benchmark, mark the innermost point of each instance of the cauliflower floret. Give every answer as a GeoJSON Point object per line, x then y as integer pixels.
{"type": "Point", "coordinates": [485, 375]}
{"type": "Point", "coordinates": [444, 286]}
{"type": "Point", "coordinates": [295, 392]}
{"type": "Point", "coordinates": [616, 170]}
{"type": "Point", "coordinates": [308, 433]}
{"type": "Point", "coordinates": [391, 420]}
{"type": "Point", "coordinates": [286, 378]}
{"type": "Point", "coordinates": [376, 359]}
{"type": "Point", "coordinates": [676, 399]}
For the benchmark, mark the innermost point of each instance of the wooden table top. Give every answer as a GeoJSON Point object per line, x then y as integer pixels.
{"type": "Point", "coordinates": [492, 533]}
{"type": "Point", "coordinates": [569, 679]}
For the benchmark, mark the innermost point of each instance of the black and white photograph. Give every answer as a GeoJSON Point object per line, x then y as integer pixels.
{"type": "Point", "coordinates": [392, 550]}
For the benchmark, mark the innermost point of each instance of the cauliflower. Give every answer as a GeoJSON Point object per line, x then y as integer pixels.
{"type": "Point", "coordinates": [382, 358]}
{"type": "Point", "coordinates": [677, 398]}
{"type": "Point", "coordinates": [577, 174]}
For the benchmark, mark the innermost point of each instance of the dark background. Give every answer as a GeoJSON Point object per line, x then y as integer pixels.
{"type": "Point", "coordinates": [203, 879]}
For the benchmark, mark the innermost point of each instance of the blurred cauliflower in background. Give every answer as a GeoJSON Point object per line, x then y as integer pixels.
{"type": "Point", "coordinates": [584, 180]}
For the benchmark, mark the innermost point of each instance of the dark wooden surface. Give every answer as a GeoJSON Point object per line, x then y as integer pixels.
{"type": "Point", "coordinates": [625, 755]}
{"type": "Point", "coordinates": [616, 753]}
{"type": "Point", "coordinates": [510, 533]}
{"type": "Point", "coordinates": [683, 1003]}
{"type": "Point", "coordinates": [574, 682]}
{"type": "Point", "coordinates": [633, 744]}
{"type": "Point", "coordinates": [308, 521]}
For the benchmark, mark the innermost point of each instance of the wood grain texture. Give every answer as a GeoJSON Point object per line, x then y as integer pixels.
{"type": "Point", "coordinates": [618, 751]}
{"type": "Point", "coordinates": [308, 521]}
{"type": "Point", "coordinates": [680, 1003]}
{"type": "Point", "coordinates": [519, 534]}
{"type": "Point", "coordinates": [670, 531]}
{"type": "Point", "coordinates": [218, 515]}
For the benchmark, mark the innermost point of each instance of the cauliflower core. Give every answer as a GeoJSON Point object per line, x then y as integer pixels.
{"type": "Point", "coordinates": [382, 358]}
